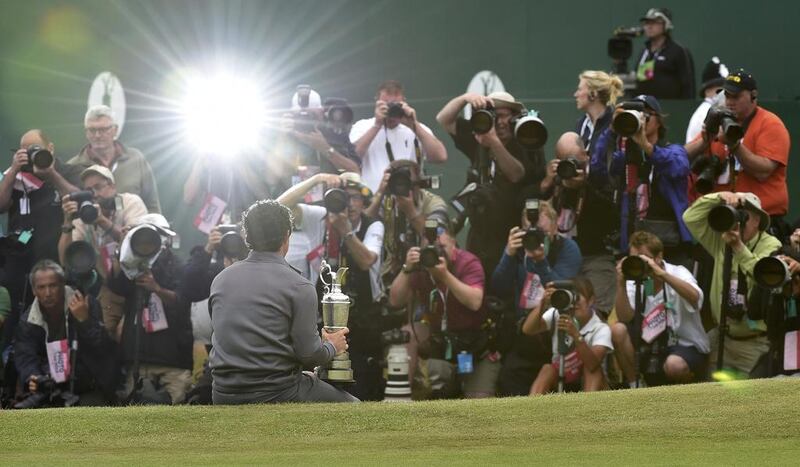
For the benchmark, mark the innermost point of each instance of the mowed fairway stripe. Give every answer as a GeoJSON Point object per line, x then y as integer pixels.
{"type": "Point", "coordinates": [746, 422]}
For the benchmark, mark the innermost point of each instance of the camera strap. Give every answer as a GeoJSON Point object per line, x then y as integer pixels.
{"type": "Point", "coordinates": [389, 152]}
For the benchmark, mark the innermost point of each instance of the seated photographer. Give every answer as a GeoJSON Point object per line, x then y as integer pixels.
{"type": "Point", "coordinates": [580, 340]}
{"type": "Point", "coordinates": [502, 165]}
{"type": "Point", "coordinates": [653, 175]}
{"type": "Point", "coordinates": [29, 196]}
{"type": "Point", "coordinates": [596, 95]}
{"type": "Point", "coordinates": [62, 351]}
{"type": "Point", "coordinates": [534, 256]}
{"type": "Point", "coordinates": [403, 213]}
{"type": "Point", "coordinates": [353, 240]}
{"type": "Point", "coordinates": [587, 212]}
{"type": "Point", "coordinates": [156, 336]}
{"type": "Point", "coordinates": [674, 346]}
{"type": "Point", "coordinates": [743, 230]}
{"type": "Point", "coordinates": [264, 317]}
{"type": "Point", "coordinates": [101, 220]}
{"type": "Point", "coordinates": [394, 133]}
{"type": "Point", "coordinates": [756, 162]}
{"type": "Point", "coordinates": [447, 296]}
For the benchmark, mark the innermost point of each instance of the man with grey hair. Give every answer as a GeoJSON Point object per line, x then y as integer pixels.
{"type": "Point", "coordinates": [131, 170]}
{"type": "Point", "coordinates": [61, 329]}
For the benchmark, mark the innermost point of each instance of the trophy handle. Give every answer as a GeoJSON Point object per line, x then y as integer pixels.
{"type": "Point", "coordinates": [323, 266]}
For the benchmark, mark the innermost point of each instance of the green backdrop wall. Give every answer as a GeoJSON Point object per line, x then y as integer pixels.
{"type": "Point", "coordinates": [51, 51]}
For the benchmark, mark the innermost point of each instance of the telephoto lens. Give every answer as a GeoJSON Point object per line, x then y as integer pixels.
{"type": "Point", "coordinates": [336, 200]}
{"type": "Point", "coordinates": [628, 122]}
{"type": "Point", "coordinates": [232, 244]}
{"type": "Point", "coordinates": [723, 218]}
{"type": "Point", "coordinates": [146, 242]}
{"type": "Point", "coordinates": [635, 268]}
{"type": "Point", "coordinates": [529, 130]}
{"type": "Point", "coordinates": [87, 212]}
{"type": "Point", "coordinates": [563, 298]}
{"type": "Point", "coordinates": [771, 273]}
{"type": "Point", "coordinates": [482, 120]}
{"type": "Point", "coordinates": [39, 157]}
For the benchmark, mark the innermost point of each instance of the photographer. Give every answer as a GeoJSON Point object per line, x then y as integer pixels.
{"type": "Point", "coordinates": [61, 347]}
{"type": "Point", "coordinates": [746, 339]}
{"type": "Point", "coordinates": [350, 239]}
{"type": "Point", "coordinates": [29, 195]}
{"type": "Point", "coordinates": [713, 78]}
{"type": "Point", "coordinates": [578, 335]}
{"type": "Point", "coordinates": [264, 317]}
{"type": "Point", "coordinates": [665, 68]}
{"type": "Point", "coordinates": [521, 274]}
{"type": "Point", "coordinates": [757, 162]}
{"type": "Point", "coordinates": [596, 95]}
{"type": "Point", "coordinates": [448, 296]}
{"type": "Point", "coordinates": [394, 133]}
{"type": "Point", "coordinates": [156, 336]}
{"type": "Point", "coordinates": [587, 212]}
{"type": "Point", "coordinates": [115, 213]}
{"type": "Point", "coordinates": [404, 214]}
{"type": "Point", "coordinates": [677, 349]}
{"type": "Point", "coordinates": [131, 170]}
{"type": "Point", "coordinates": [511, 167]}
{"type": "Point", "coordinates": [651, 173]}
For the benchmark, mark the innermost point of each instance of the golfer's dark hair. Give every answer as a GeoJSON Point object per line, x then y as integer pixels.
{"type": "Point", "coordinates": [266, 224]}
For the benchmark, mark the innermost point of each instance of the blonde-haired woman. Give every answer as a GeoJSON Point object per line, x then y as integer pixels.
{"type": "Point", "coordinates": [596, 95]}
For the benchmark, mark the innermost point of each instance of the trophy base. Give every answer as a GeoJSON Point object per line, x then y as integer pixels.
{"type": "Point", "coordinates": [335, 376]}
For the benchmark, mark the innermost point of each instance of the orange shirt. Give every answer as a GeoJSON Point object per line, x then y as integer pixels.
{"type": "Point", "coordinates": [766, 136]}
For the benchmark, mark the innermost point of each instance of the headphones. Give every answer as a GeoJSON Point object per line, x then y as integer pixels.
{"type": "Point", "coordinates": [753, 95]}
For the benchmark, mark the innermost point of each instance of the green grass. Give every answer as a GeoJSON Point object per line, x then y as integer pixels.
{"type": "Point", "coordinates": [744, 422]}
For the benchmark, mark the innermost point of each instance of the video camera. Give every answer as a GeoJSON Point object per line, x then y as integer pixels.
{"type": "Point", "coordinates": [401, 182]}
{"type": "Point", "coordinates": [629, 121]}
{"type": "Point", "coordinates": [37, 156]}
{"type": "Point", "coordinates": [534, 237]}
{"type": "Point", "coordinates": [232, 244]}
{"type": "Point", "coordinates": [719, 116]}
{"type": "Point", "coordinates": [568, 168]}
{"type": "Point", "coordinates": [529, 130]}
{"type": "Point", "coordinates": [620, 47]}
{"type": "Point", "coordinates": [707, 169]}
{"type": "Point", "coordinates": [87, 211]}
{"type": "Point", "coordinates": [429, 254]}
{"type": "Point", "coordinates": [723, 218]}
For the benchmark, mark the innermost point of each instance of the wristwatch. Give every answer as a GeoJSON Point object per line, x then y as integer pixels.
{"type": "Point", "coordinates": [67, 228]}
{"type": "Point", "coordinates": [331, 151]}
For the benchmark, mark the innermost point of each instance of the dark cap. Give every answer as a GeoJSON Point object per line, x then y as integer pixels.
{"type": "Point", "coordinates": [650, 102]}
{"type": "Point", "coordinates": [739, 81]}
{"type": "Point", "coordinates": [714, 74]}
{"type": "Point", "coordinates": [655, 14]}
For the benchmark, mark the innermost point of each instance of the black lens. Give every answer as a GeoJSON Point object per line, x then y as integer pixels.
{"type": "Point", "coordinates": [336, 200]}
{"type": "Point", "coordinates": [482, 121]}
{"type": "Point", "coordinates": [429, 256]}
{"type": "Point", "coordinates": [88, 212]}
{"type": "Point", "coordinates": [79, 258]}
{"type": "Point", "coordinates": [733, 131]}
{"type": "Point", "coordinates": [530, 132]}
{"type": "Point", "coordinates": [567, 169]}
{"type": "Point", "coordinates": [771, 273]}
{"type": "Point", "coordinates": [395, 110]}
{"type": "Point", "coordinates": [533, 239]}
{"type": "Point", "coordinates": [232, 245]}
{"type": "Point", "coordinates": [400, 182]}
{"type": "Point", "coordinates": [723, 218]}
{"type": "Point", "coordinates": [40, 157]}
{"type": "Point", "coordinates": [145, 242]}
{"type": "Point", "coordinates": [562, 299]}
{"type": "Point", "coordinates": [627, 123]}
{"type": "Point", "coordinates": [635, 268]}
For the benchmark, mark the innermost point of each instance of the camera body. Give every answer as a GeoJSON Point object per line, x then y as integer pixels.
{"type": "Point", "coordinates": [38, 157]}
{"type": "Point", "coordinates": [395, 110]}
{"type": "Point", "coordinates": [401, 182]}
{"type": "Point", "coordinates": [87, 212]}
{"type": "Point", "coordinates": [707, 169]}
{"type": "Point", "coordinates": [568, 168]}
{"type": "Point", "coordinates": [630, 120]}
{"type": "Point", "coordinates": [534, 237]}
{"type": "Point", "coordinates": [719, 116]}
{"type": "Point", "coordinates": [429, 254]}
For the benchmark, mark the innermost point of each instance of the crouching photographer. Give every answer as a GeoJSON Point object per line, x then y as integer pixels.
{"type": "Point", "coordinates": [732, 227]}
{"type": "Point", "coordinates": [156, 336]}
{"type": "Point", "coordinates": [658, 306]}
{"type": "Point", "coordinates": [62, 352]}
{"type": "Point", "coordinates": [535, 255]}
{"type": "Point", "coordinates": [444, 285]}
{"type": "Point", "coordinates": [580, 340]}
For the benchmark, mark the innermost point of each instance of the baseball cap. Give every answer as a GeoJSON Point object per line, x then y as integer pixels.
{"type": "Point", "coordinates": [353, 180]}
{"type": "Point", "coordinates": [99, 170]}
{"type": "Point", "coordinates": [156, 220]}
{"type": "Point", "coordinates": [714, 74]}
{"type": "Point", "coordinates": [649, 101]}
{"type": "Point", "coordinates": [752, 201]}
{"type": "Point", "coordinates": [654, 14]}
{"type": "Point", "coordinates": [503, 99]}
{"type": "Point", "coordinates": [739, 81]}
{"type": "Point", "coordinates": [441, 218]}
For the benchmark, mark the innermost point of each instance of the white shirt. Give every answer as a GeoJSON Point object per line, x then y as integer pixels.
{"type": "Point", "coordinates": [310, 235]}
{"type": "Point", "coordinates": [373, 240]}
{"type": "Point", "coordinates": [376, 159]}
{"type": "Point", "coordinates": [698, 117]}
{"type": "Point", "coordinates": [594, 332]}
{"type": "Point", "coordinates": [683, 317]}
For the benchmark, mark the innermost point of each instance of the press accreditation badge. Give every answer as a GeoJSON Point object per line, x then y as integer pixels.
{"type": "Point", "coordinates": [210, 214]}
{"type": "Point", "coordinates": [58, 358]}
{"type": "Point", "coordinates": [654, 323]}
{"type": "Point", "coordinates": [153, 317]}
{"type": "Point", "coordinates": [532, 292]}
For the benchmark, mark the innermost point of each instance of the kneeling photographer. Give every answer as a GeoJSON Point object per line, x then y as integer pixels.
{"type": "Point", "coordinates": [345, 237]}
{"type": "Point", "coordinates": [444, 286]}
{"type": "Point", "coordinates": [535, 255]}
{"type": "Point", "coordinates": [156, 336]}
{"type": "Point", "coordinates": [658, 306]}
{"type": "Point", "coordinates": [731, 227]}
{"type": "Point", "coordinates": [62, 352]}
{"type": "Point", "coordinates": [580, 340]}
